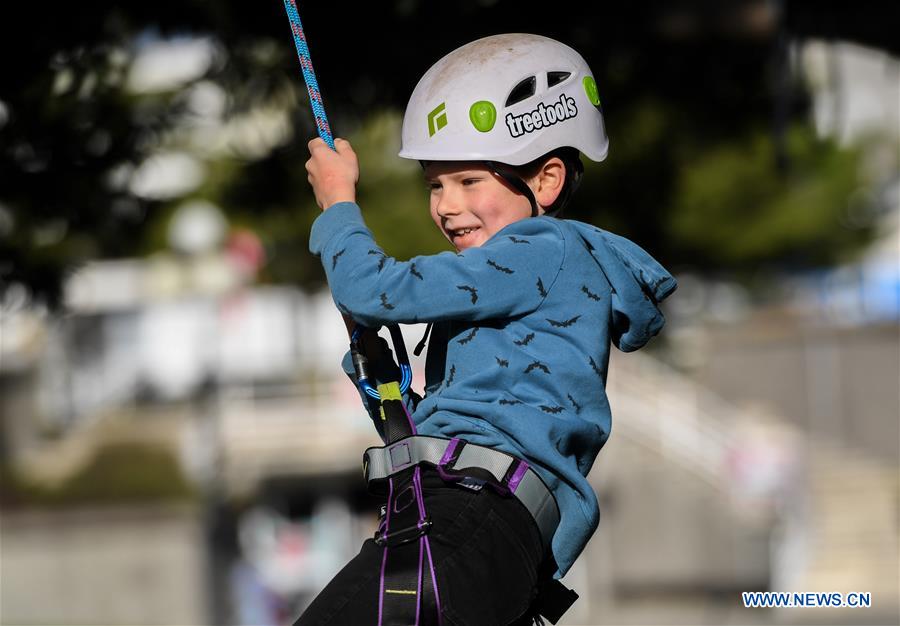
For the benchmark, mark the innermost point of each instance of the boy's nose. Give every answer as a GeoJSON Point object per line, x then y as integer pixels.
{"type": "Point", "coordinates": [448, 204]}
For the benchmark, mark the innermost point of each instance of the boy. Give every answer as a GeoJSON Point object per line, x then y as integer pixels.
{"type": "Point", "coordinates": [523, 314]}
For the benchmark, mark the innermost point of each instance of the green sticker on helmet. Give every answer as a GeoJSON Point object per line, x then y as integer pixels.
{"type": "Point", "coordinates": [483, 115]}
{"type": "Point", "coordinates": [437, 119]}
{"type": "Point", "coordinates": [590, 88]}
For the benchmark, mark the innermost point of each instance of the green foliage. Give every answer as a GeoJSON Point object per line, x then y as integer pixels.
{"type": "Point", "coordinates": [117, 474]}
{"type": "Point", "coordinates": [734, 210]}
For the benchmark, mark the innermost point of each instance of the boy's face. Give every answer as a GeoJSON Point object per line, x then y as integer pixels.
{"type": "Point", "coordinates": [470, 204]}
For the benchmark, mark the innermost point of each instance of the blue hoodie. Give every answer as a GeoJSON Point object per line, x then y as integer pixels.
{"type": "Point", "coordinates": [518, 355]}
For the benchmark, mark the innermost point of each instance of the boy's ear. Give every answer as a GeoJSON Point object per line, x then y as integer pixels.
{"type": "Point", "coordinates": [548, 182]}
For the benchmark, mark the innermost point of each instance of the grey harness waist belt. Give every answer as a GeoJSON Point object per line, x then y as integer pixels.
{"type": "Point", "coordinates": [456, 459]}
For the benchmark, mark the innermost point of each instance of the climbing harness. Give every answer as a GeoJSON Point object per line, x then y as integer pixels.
{"type": "Point", "coordinates": [408, 589]}
{"type": "Point", "coordinates": [458, 461]}
{"type": "Point", "coordinates": [408, 583]}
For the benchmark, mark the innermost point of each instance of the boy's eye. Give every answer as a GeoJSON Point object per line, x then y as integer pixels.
{"type": "Point", "coordinates": [433, 186]}
{"type": "Point", "coordinates": [470, 181]}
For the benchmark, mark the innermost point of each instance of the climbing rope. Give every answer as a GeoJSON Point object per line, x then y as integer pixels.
{"type": "Point", "coordinates": [315, 100]}
{"type": "Point", "coordinates": [309, 74]}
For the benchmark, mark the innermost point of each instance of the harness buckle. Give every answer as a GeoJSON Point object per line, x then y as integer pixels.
{"type": "Point", "coordinates": [505, 486]}
{"type": "Point", "coordinates": [403, 535]}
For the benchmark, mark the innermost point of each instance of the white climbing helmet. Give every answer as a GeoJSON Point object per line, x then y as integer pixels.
{"type": "Point", "coordinates": [505, 98]}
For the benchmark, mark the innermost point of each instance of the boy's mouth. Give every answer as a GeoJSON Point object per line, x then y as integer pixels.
{"type": "Point", "coordinates": [460, 235]}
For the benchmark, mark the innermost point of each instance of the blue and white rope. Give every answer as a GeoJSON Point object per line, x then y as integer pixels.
{"type": "Point", "coordinates": [315, 100]}
{"type": "Point", "coordinates": [309, 75]}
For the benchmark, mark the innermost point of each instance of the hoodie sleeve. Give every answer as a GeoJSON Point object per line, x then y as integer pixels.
{"type": "Point", "coordinates": [510, 275]}
{"type": "Point", "coordinates": [639, 283]}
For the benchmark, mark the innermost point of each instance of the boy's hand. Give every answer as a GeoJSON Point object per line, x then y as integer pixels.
{"type": "Point", "coordinates": [332, 174]}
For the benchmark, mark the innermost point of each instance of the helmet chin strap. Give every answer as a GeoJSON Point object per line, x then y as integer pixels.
{"type": "Point", "coordinates": [574, 172]}
{"type": "Point", "coordinates": [515, 182]}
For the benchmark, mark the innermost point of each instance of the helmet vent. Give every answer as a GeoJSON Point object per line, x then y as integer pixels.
{"type": "Point", "coordinates": [555, 78]}
{"type": "Point", "coordinates": [522, 91]}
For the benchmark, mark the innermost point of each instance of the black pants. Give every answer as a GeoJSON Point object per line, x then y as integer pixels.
{"type": "Point", "coordinates": [486, 550]}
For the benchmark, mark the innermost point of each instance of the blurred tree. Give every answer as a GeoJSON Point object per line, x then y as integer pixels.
{"type": "Point", "coordinates": [695, 95]}
{"type": "Point", "coordinates": [731, 211]}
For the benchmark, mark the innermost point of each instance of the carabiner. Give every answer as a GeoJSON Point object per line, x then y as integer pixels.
{"type": "Point", "coordinates": [361, 362]}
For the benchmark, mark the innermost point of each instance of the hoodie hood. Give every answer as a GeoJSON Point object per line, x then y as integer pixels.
{"type": "Point", "coordinates": [637, 281]}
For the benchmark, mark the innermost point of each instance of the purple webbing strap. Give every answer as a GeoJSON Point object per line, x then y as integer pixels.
{"type": "Point", "coordinates": [419, 583]}
{"type": "Point", "coordinates": [448, 452]}
{"type": "Point", "coordinates": [384, 554]}
{"type": "Point", "coordinates": [517, 476]}
{"type": "Point", "coordinates": [418, 488]}
{"type": "Point", "coordinates": [423, 541]}
{"type": "Point", "coordinates": [434, 585]}
{"type": "Point", "coordinates": [424, 548]}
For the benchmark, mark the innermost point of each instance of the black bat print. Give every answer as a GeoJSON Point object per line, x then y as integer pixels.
{"type": "Point", "coordinates": [509, 402]}
{"type": "Point", "coordinates": [525, 341]}
{"type": "Point", "coordinates": [596, 368]}
{"type": "Point", "coordinates": [564, 324]}
{"type": "Point", "coordinates": [499, 267]}
{"type": "Point", "coordinates": [575, 404]}
{"type": "Point", "coordinates": [514, 240]}
{"type": "Point", "coordinates": [552, 409]}
{"type": "Point", "coordinates": [589, 293]}
{"type": "Point", "coordinates": [452, 374]}
{"type": "Point", "coordinates": [468, 337]}
{"type": "Point", "coordinates": [382, 260]}
{"type": "Point", "coordinates": [415, 272]}
{"type": "Point", "coordinates": [541, 290]}
{"type": "Point", "coordinates": [501, 362]}
{"type": "Point", "coordinates": [537, 365]}
{"type": "Point", "coordinates": [385, 303]}
{"type": "Point", "coordinates": [336, 257]}
{"type": "Point", "coordinates": [471, 290]}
